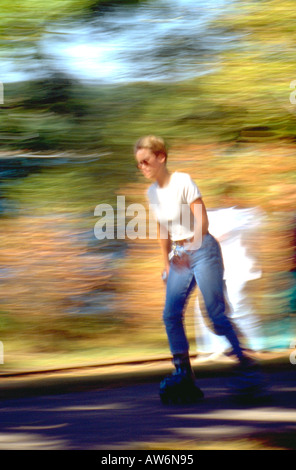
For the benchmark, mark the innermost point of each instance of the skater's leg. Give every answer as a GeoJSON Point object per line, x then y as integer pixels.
{"type": "Point", "coordinates": [207, 342]}
{"type": "Point", "coordinates": [180, 284]}
{"type": "Point", "coordinates": [208, 270]}
{"type": "Point", "coordinates": [180, 386]}
{"type": "Point", "coordinates": [182, 365]}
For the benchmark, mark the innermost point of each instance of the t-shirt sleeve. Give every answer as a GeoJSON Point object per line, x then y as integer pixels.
{"type": "Point", "coordinates": [191, 191]}
{"type": "Point", "coordinates": [150, 195]}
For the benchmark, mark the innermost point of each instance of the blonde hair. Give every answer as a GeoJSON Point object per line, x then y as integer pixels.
{"type": "Point", "coordinates": [156, 144]}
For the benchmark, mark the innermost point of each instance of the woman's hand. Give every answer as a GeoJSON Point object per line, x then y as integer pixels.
{"type": "Point", "coordinates": [182, 261]}
{"type": "Point", "coordinates": [165, 273]}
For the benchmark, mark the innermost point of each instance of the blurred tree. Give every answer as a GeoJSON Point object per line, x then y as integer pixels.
{"type": "Point", "coordinates": [24, 23]}
{"type": "Point", "coordinates": [53, 93]}
{"type": "Point", "coordinates": [257, 74]}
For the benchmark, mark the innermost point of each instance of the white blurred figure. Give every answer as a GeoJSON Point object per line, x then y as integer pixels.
{"type": "Point", "coordinates": [231, 227]}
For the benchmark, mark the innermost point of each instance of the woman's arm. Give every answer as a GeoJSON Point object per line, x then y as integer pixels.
{"type": "Point", "coordinates": [165, 244]}
{"type": "Point", "coordinates": [201, 223]}
{"type": "Point", "coordinates": [203, 214]}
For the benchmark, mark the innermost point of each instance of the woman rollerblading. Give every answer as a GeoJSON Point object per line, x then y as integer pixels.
{"type": "Point", "coordinates": [192, 256]}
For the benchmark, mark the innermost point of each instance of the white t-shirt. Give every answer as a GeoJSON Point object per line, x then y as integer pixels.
{"type": "Point", "coordinates": [171, 205]}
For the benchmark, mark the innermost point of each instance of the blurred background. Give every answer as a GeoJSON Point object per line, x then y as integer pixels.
{"type": "Point", "coordinates": [83, 79]}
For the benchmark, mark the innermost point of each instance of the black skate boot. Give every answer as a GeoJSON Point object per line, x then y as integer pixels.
{"type": "Point", "coordinates": [248, 384]}
{"type": "Point", "coordinates": [180, 388]}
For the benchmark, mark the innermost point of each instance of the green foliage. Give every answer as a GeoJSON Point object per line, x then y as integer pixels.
{"type": "Point", "coordinates": [247, 93]}
{"type": "Point", "coordinates": [257, 73]}
{"type": "Point", "coordinates": [24, 23]}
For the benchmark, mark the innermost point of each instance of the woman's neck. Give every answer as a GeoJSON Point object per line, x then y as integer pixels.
{"type": "Point", "coordinates": [163, 178]}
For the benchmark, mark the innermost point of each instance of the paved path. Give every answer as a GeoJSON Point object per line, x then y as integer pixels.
{"type": "Point", "coordinates": [132, 417]}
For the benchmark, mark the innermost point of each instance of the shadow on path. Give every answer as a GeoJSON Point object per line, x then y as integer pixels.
{"type": "Point", "coordinates": [132, 417]}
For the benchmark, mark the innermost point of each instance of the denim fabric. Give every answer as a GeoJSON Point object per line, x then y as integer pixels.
{"type": "Point", "coordinates": [205, 270]}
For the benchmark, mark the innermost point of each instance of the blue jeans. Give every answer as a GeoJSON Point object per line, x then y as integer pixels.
{"type": "Point", "coordinates": [205, 269]}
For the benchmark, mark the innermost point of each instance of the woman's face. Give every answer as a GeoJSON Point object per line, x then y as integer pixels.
{"type": "Point", "coordinates": [149, 163]}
